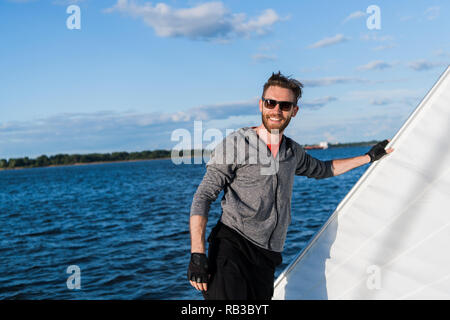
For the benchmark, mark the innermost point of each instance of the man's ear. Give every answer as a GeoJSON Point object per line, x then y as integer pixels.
{"type": "Point", "coordinates": [260, 105]}
{"type": "Point", "coordinates": [294, 112]}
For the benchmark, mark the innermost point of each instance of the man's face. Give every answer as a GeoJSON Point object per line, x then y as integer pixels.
{"type": "Point", "coordinates": [276, 118]}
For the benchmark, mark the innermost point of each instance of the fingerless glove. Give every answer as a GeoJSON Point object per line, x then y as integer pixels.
{"type": "Point", "coordinates": [198, 268]}
{"type": "Point", "coordinates": [377, 151]}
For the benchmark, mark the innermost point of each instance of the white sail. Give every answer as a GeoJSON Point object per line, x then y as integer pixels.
{"type": "Point", "coordinates": [390, 236]}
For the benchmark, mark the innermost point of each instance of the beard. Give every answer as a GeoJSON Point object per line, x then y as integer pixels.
{"type": "Point", "coordinates": [275, 128]}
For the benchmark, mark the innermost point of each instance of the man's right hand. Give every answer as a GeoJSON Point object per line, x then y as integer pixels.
{"type": "Point", "coordinates": [198, 271]}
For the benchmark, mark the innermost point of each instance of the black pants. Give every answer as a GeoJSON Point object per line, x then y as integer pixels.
{"type": "Point", "coordinates": [239, 269]}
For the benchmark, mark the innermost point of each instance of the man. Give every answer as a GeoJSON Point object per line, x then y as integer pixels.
{"type": "Point", "coordinates": [246, 244]}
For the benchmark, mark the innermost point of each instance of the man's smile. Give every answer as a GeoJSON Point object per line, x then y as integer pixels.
{"type": "Point", "coordinates": [275, 119]}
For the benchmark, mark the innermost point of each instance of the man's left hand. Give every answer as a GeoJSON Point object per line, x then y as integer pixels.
{"type": "Point", "coordinates": [378, 151]}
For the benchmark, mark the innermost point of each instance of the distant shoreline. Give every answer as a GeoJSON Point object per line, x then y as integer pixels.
{"type": "Point", "coordinates": [82, 164]}
{"type": "Point", "coordinates": [88, 163]}
{"type": "Point", "coordinates": [188, 153]}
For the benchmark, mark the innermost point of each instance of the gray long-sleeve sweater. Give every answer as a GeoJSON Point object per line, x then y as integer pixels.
{"type": "Point", "coordinates": [257, 187]}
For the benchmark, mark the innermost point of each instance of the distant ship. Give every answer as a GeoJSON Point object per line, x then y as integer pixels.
{"type": "Point", "coordinates": [321, 145]}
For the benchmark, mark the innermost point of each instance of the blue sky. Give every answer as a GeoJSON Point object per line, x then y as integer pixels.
{"type": "Point", "coordinates": [138, 70]}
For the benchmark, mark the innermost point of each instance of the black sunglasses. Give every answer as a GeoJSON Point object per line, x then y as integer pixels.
{"type": "Point", "coordinates": [284, 105]}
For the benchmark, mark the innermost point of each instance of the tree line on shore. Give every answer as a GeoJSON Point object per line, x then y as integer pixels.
{"type": "Point", "coordinates": [68, 159]}
{"type": "Point", "coordinates": [353, 144]}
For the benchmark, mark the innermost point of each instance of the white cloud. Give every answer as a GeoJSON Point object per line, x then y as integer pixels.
{"type": "Point", "coordinates": [328, 81]}
{"type": "Point", "coordinates": [55, 2]}
{"type": "Point", "coordinates": [442, 53]}
{"type": "Point", "coordinates": [261, 57]}
{"type": "Point", "coordinates": [354, 15]}
{"type": "Point", "coordinates": [329, 41]}
{"type": "Point", "coordinates": [206, 21]}
{"type": "Point", "coordinates": [329, 137]}
{"type": "Point", "coordinates": [380, 101]}
{"type": "Point", "coordinates": [66, 2]}
{"type": "Point", "coordinates": [432, 13]}
{"type": "Point", "coordinates": [344, 129]}
{"type": "Point", "coordinates": [375, 65]}
{"type": "Point", "coordinates": [423, 65]}
{"type": "Point", "coordinates": [404, 97]}
{"type": "Point", "coordinates": [106, 131]}
{"type": "Point", "coordinates": [406, 18]}
{"type": "Point", "coordinates": [21, 1]}
{"type": "Point", "coordinates": [317, 103]}
{"type": "Point", "coordinates": [384, 47]}
{"type": "Point", "coordinates": [260, 25]}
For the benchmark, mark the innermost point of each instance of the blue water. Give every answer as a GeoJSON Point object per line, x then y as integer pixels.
{"type": "Point", "coordinates": [125, 225]}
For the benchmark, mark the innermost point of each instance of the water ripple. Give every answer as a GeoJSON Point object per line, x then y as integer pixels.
{"type": "Point", "coordinates": [126, 226]}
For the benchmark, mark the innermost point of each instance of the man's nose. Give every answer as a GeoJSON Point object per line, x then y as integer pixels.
{"type": "Point", "coordinates": [277, 109]}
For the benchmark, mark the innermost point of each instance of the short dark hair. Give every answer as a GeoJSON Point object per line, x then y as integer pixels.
{"type": "Point", "coordinates": [279, 80]}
